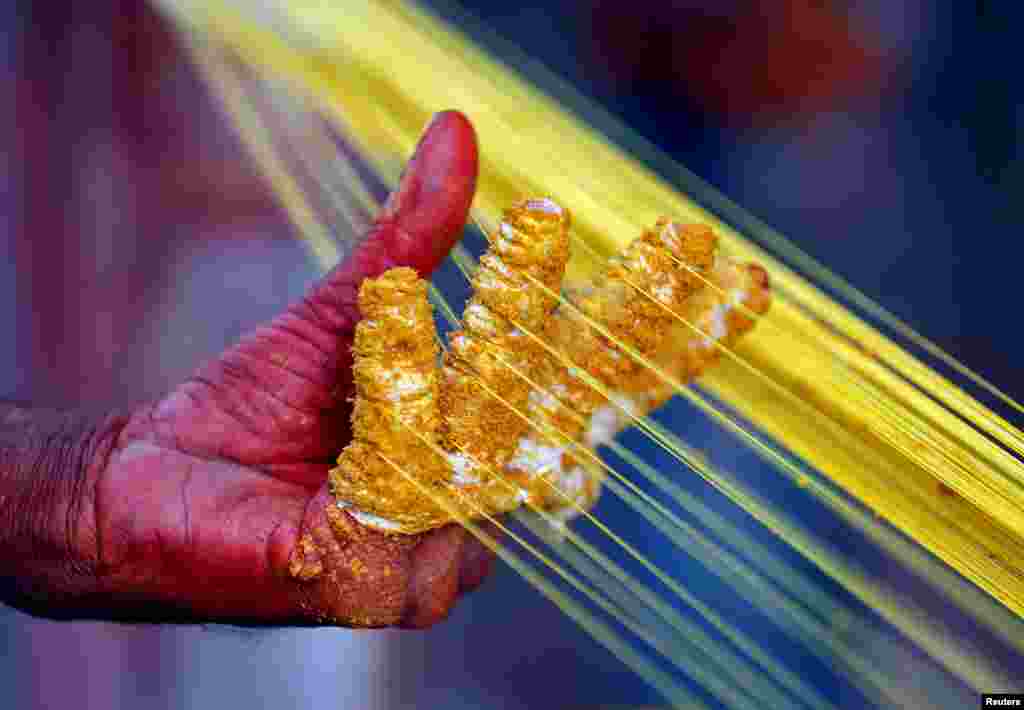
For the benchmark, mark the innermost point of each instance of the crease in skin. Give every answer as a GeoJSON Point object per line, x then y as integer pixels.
{"type": "Point", "coordinates": [443, 426]}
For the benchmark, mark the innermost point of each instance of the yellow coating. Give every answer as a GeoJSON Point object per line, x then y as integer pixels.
{"type": "Point", "coordinates": [490, 405]}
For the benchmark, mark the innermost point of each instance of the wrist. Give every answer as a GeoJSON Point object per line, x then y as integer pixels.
{"type": "Point", "coordinates": [49, 462]}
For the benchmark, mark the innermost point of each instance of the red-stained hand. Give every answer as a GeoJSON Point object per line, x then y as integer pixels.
{"type": "Point", "coordinates": [213, 503]}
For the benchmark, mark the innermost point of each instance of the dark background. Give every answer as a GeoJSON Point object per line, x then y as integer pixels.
{"type": "Point", "coordinates": [883, 137]}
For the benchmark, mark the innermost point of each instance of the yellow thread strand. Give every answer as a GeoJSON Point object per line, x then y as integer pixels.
{"type": "Point", "coordinates": [297, 137]}
{"type": "Point", "coordinates": [919, 449]}
{"type": "Point", "coordinates": [1017, 443]}
{"type": "Point", "coordinates": [964, 529]}
{"type": "Point", "coordinates": [791, 682]}
{"type": "Point", "coordinates": [630, 588]}
{"type": "Point", "coordinates": [811, 632]}
{"type": "Point", "coordinates": [647, 194]}
{"type": "Point", "coordinates": [961, 662]}
{"type": "Point", "coordinates": [901, 421]}
{"type": "Point", "coordinates": [599, 630]}
{"type": "Point", "coordinates": [254, 136]}
{"type": "Point", "coordinates": [334, 195]}
{"type": "Point", "coordinates": [711, 681]}
{"type": "Point", "coordinates": [768, 354]}
{"type": "Point", "coordinates": [732, 667]}
{"type": "Point", "coordinates": [636, 499]}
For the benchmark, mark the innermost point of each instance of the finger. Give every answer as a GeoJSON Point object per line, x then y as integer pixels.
{"type": "Point", "coordinates": [434, 577]}
{"type": "Point", "coordinates": [280, 394]}
{"type": "Point", "coordinates": [417, 226]}
{"type": "Point", "coordinates": [348, 574]}
{"type": "Point", "coordinates": [447, 563]}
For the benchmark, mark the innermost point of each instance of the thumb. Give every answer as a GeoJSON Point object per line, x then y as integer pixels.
{"type": "Point", "coordinates": [417, 226]}
{"type": "Point", "coordinates": [279, 394]}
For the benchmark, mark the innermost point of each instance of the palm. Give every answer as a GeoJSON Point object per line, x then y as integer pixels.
{"type": "Point", "coordinates": [214, 500]}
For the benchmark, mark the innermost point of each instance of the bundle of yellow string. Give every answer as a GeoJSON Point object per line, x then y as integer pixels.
{"type": "Point", "coordinates": [818, 391]}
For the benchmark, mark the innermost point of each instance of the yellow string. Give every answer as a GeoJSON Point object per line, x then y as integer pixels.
{"type": "Point", "coordinates": [898, 365]}
{"type": "Point", "coordinates": [598, 629]}
{"type": "Point", "coordinates": [634, 500]}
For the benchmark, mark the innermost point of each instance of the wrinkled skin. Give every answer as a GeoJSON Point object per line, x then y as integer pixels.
{"type": "Point", "coordinates": [212, 504]}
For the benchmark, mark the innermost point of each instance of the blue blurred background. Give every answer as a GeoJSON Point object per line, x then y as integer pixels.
{"type": "Point", "coordinates": [883, 137]}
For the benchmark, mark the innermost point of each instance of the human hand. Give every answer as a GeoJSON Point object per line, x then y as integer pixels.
{"type": "Point", "coordinates": [211, 504]}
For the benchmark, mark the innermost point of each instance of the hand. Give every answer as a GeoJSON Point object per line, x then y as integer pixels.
{"type": "Point", "coordinates": [212, 502]}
